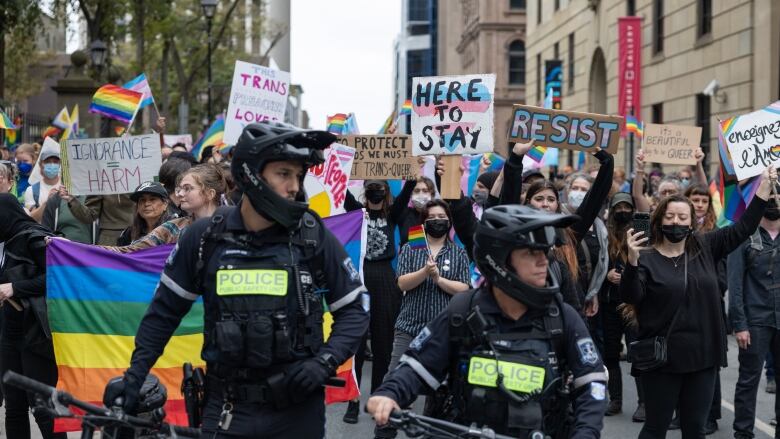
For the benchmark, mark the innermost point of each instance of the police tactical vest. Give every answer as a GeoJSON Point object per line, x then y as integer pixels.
{"type": "Point", "coordinates": [530, 364]}
{"type": "Point", "coordinates": [266, 307]}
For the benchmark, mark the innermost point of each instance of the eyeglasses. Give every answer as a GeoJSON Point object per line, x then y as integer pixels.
{"type": "Point", "coordinates": [184, 189]}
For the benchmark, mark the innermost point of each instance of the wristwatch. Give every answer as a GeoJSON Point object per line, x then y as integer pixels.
{"type": "Point", "coordinates": [329, 361]}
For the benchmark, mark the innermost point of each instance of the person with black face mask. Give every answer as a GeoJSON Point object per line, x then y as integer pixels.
{"type": "Point", "coordinates": [753, 293]}
{"type": "Point", "coordinates": [429, 277]}
{"type": "Point", "coordinates": [676, 299]}
{"type": "Point", "coordinates": [613, 326]}
{"type": "Point", "coordinates": [379, 277]}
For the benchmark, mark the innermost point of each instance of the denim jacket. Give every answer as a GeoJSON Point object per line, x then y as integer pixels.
{"type": "Point", "coordinates": [754, 282]}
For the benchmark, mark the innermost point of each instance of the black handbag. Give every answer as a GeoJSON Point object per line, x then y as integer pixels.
{"type": "Point", "coordinates": [652, 353]}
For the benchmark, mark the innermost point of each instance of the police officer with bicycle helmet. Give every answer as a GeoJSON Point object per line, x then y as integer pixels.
{"type": "Point", "coordinates": [515, 357]}
{"type": "Point", "coordinates": [262, 269]}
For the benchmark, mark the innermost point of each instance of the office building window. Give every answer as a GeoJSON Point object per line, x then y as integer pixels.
{"type": "Point", "coordinates": [656, 112]}
{"type": "Point", "coordinates": [571, 61]}
{"type": "Point", "coordinates": [516, 4]}
{"type": "Point", "coordinates": [417, 64]}
{"type": "Point", "coordinates": [704, 11]}
{"type": "Point", "coordinates": [557, 4]}
{"type": "Point", "coordinates": [703, 121]}
{"type": "Point", "coordinates": [418, 10]}
{"type": "Point", "coordinates": [658, 26]}
{"type": "Point", "coordinates": [631, 8]}
{"type": "Point", "coordinates": [517, 63]}
{"type": "Point", "coordinates": [538, 11]}
{"type": "Point", "coordinates": [556, 51]}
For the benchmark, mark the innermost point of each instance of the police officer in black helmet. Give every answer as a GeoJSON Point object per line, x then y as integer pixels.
{"type": "Point", "coordinates": [514, 355]}
{"type": "Point", "coordinates": [263, 269]}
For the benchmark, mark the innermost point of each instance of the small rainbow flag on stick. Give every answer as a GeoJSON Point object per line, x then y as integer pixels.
{"type": "Point", "coordinates": [336, 123]}
{"type": "Point", "coordinates": [633, 126]}
{"type": "Point", "coordinates": [537, 153]}
{"type": "Point", "coordinates": [406, 108]}
{"type": "Point", "coordinates": [116, 102]}
{"type": "Point", "coordinates": [417, 239]}
{"type": "Point", "coordinates": [5, 122]}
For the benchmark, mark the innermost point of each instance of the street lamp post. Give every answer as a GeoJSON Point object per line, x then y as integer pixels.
{"type": "Point", "coordinates": [97, 53]}
{"type": "Point", "coordinates": [209, 9]}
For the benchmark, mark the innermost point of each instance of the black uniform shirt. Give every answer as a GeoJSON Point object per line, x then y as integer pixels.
{"type": "Point", "coordinates": [429, 357]}
{"type": "Point", "coordinates": [177, 290]}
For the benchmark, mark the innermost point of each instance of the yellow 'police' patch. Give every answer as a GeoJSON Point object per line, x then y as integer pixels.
{"type": "Point", "coordinates": [251, 282]}
{"type": "Point", "coordinates": [517, 377]}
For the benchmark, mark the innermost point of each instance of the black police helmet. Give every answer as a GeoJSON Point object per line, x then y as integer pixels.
{"type": "Point", "coordinates": [265, 142]}
{"type": "Point", "coordinates": [503, 229]}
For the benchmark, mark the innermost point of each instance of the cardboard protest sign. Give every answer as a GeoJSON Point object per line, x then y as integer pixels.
{"type": "Point", "coordinates": [258, 93]}
{"type": "Point", "coordinates": [383, 157]}
{"type": "Point", "coordinates": [565, 129]}
{"type": "Point", "coordinates": [326, 184]}
{"type": "Point", "coordinates": [172, 139]}
{"type": "Point", "coordinates": [753, 140]}
{"type": "Point", "coordinates": [452, 115]}
{"type": "Point", "coordinates": [115, 165]}
{"type": "Point", "coordinates": [671, 144]}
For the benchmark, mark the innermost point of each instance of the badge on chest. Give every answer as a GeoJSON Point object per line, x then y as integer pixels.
{"type": "Point", "coordinates": [265, 282]}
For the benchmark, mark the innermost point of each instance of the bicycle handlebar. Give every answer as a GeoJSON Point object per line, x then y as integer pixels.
{"type": "Point", "coordinates": [408, 420]}
{"type": "Point", "coordinates": [14, 379]}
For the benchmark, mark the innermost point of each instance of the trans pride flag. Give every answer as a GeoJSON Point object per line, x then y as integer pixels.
{"type": "Point", "coordinates": [97, 299]}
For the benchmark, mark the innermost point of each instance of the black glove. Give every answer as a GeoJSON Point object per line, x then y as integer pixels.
{"type": "Point", "coordinates": [602, 156]}
{"type": "Point", "coordinates": [125, 388]}
{"type": "Point", "coordinates": [306, 376]}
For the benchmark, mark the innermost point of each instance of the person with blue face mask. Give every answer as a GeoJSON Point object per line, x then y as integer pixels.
{"type": "Point", "coordinates": [24, 156]}
{"type": "Point", "coordinates": [36, 194]}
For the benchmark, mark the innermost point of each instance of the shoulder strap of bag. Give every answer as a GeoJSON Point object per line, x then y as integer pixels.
{"type": "Point", "coordinates": [685, 295]}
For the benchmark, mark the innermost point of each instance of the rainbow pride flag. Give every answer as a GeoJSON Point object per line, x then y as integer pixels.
{"type": "Point", "coordinates": [336, 123]}
{"type": "Point", "coordinates": [96, 300]}
{"type": "Point", "coordinates": [731, 199]}
{"type": "Point", "coordinates": [537, 153]}
{"type": "Point", "coordinates": [5, 122]}
{"type": "Point", "coordinates": [52, 132]}
{"type": "Point", "coordinates": [116, 102]}
{"type": "Point", "coordinates": [633, 126]}
{"type": "Point", "coordinates": [212, 137]}
{"type": "Point", "coordinates": [417, 238]}
{"type": "Point", "coordinates": [406, 108]}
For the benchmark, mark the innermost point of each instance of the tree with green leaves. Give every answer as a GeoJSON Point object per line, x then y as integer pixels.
{"type": "Point", "coordinates": [18, 20]}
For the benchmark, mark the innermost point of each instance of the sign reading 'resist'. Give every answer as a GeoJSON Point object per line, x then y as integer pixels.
{"type": "Point", "coordinates": [566, 129]}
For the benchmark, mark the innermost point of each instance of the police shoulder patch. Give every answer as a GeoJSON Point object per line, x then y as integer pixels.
{"type": "Point", "coordinates": [420, 340]}
{"type": "Point", "coordinates": [349, 267]}
{"type": "Point", "coordinates": [598, 391]}
{"type": "Point", "coordinates": [587, 349]}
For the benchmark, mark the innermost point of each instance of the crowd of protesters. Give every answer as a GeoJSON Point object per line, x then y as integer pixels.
{"type": "Point", "coordinates": [629, 285]}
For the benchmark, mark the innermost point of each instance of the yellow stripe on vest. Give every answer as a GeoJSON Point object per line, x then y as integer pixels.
{"type": "Point", "coordinates": [517, 377]}
{"type": "Point", "coordinates": [251, 282]}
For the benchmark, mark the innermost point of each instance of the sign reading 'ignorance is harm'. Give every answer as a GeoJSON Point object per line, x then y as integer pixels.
{"type": "Point", "coordinates": [381, 157]}
{"type": "Point", "coordinates": [566, 129]}
{"type": "Point", "coordinates": [115, 165]}
{"type": "Point", "coordinates": [670, 144]}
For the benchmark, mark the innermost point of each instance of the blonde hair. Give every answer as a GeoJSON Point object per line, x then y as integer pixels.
{"type": "Point", "coordinates": [210, 177]}
{"type": "Point", "coordinates": [27, 148]}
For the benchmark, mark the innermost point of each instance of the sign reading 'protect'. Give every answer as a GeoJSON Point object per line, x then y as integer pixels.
{"type": "Point", "coordinates": [251, 282]}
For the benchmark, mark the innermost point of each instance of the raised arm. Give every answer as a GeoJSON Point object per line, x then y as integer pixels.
{"type": "Point", "coordinates": [594, 200]}
{"type": "Point", "coordinates": [512, 184]}
{"type": "Point", "coordinates": [637, 189]}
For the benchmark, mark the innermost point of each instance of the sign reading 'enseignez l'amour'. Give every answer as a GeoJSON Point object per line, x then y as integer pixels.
{"type": "Point", "coordinates": [115, 165]}
{"type": "Point", "coordinates": [753, 140]}
{"type": "Point", "coordinates": [566, 129]}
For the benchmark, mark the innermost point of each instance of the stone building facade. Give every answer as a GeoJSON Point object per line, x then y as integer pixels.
{"type": "Point", "coordinates": [686, 44]}
{"type": "Point", "coordinates": [486, 36]}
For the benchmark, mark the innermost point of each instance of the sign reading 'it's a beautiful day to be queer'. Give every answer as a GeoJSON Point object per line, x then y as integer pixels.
{"type": "Point", "coordinates": [566, 129]}
{"type": "Point", "coordinates": [452, 115]}
{"type": "Point", "coordinates": [115, 165]}
{"type": "Point", "coordinates": [753, 140]}
{"type": "Point", "coordinates": [258, 93]}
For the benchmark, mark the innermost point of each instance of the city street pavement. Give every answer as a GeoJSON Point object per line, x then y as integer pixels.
{"type": "Point", "coordinates": [616, 427]}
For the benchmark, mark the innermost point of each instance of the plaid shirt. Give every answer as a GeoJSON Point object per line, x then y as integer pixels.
{"type": "Point", "coordinates": [421, 304]}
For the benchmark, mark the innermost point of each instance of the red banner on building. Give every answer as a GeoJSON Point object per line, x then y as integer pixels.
{"type": "Point", "coordinates": [630, 66]}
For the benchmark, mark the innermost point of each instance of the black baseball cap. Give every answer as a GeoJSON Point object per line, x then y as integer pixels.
{"type": "Point", "coordinates": [149, 187]}
{"type": "Point", "coordinates": [621, 197]}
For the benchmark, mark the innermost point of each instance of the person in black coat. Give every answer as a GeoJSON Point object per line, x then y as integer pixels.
{"type": "Point", "coordinates": [25, 341]}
